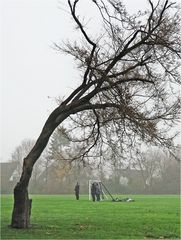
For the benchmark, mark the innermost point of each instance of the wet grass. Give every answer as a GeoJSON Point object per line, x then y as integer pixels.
{"type": "Point", "coordinates": [62, 217]}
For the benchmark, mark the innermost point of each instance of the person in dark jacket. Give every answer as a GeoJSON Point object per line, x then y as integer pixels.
{"type": "Point", "coordinates": [93, 192]}
{"type": "Point", "coordinates": [77, 189]}
{"type": "Point", "coordinates": [97, 191]}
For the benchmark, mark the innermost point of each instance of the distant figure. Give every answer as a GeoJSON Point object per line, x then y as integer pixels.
{"type": "Point", "coordinates": [93, 192]}
{"type": "Point", "coordinates": [77, 188]}
{"type": "Point", "coordinates": [97, 191]}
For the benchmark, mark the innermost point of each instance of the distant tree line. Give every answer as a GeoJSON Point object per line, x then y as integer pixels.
{"type": "Point", "coordinates": [152, 171]}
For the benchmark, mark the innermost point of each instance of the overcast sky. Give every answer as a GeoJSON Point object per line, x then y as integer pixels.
{"type": "Point", "coordinates": [33, 73]}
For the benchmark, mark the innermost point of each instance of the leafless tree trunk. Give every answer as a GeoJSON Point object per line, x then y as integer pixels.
{"type": "Point", "coordinates": [22, 203]}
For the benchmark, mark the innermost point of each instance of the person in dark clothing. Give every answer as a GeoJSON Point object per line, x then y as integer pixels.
{"type": "Point", "coordinates": [93, 192]}
{"type": "Point", "coordinates": [77, 188]}
{"type": "Point", "coordinates": [97, 191]}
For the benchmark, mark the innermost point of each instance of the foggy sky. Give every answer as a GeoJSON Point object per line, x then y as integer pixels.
{"type": "Point", "coordinates": [33, 73]}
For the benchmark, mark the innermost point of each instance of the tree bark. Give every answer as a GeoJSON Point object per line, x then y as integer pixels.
{"type": "Point", "coordinates": [22, 209]}
{"type": "Point", "coordinates": [22, 203]}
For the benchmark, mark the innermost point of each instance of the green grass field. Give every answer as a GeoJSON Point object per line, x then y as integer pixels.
{"type": "Point", "coordinates": [62, 217]}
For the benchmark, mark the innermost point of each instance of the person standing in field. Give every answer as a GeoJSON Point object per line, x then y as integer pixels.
{"type": "Point", "coordinates": [97, 191]}
{"type": "Point", "coordinates": [93, 192]}
{"type": "Point", "coordinates": [77, 189]}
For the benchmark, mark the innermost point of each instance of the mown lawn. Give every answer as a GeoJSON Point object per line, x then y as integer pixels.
{"type": "Point", "coordinates": [62, 217]}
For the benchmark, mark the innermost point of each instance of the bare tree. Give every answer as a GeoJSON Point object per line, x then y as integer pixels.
{"type": "Point", "coordinates": [127, 88]}
{"type": "Point", "coordinates": [20, 152]}
{"type": "Point", "coordinates": [151, 165]}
